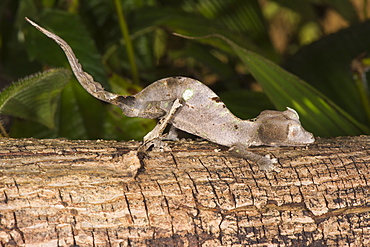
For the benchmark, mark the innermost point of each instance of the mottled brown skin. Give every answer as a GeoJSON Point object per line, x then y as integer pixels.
{"type": "Point", "coordinates": [191, 106]}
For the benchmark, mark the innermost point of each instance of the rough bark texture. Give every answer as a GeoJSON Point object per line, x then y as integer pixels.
{"type": "Point", "coordinates": [85, 193]}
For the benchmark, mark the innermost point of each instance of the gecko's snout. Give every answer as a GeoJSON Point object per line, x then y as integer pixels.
{"type": "Point", "coordinates": [297, 135]}
{"type": "Point", "coordinates": [310, 138]}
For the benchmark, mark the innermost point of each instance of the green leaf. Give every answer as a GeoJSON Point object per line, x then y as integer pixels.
{"type": "Point", "coordinates": [325, 64]}
{"type": "Point", "coordinates": [318, 114]}
{"type": "Point", "coordinates": [188, 24]}
{"type": "Point", "coordinates": [244, 17]}
{"type": "Point", "coordinates": [35, 98]}
{"type": "Point", "coordinates": [81, 116]}
{"type": "Point", "coordinates": [246, 104]}
{"type": "Point", "coordinates": [72, 122]}
{"type": "Point", "coordinates": [120, 127]}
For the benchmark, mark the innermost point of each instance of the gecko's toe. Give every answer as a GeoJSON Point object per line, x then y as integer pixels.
{"type": "Point", "coordinates": [170, 137]}
{"type": "Point", "coordinates": [267, 164]}
{"type": "Point", "coordinates": [156, 145]}
{"type": "Point", "coordinates": [273, 160]}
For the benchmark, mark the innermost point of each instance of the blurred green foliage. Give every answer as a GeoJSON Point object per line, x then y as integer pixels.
{"type": "Point", "coordinates": [35, 98]}
{"type": "Point", "coordinates": [127, 44]}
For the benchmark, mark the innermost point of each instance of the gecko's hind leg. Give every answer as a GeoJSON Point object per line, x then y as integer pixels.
{"type": "Point", "coordinates": [155, 135]}
{"type": "Point", "coordinates": [265, 163]}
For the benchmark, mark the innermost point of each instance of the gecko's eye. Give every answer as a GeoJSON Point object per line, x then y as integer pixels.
{"type": "Point", "coordinates": [294, 130]}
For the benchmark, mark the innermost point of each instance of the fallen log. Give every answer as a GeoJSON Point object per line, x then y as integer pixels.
{"type": "Point", "coordinates": [59, 192]}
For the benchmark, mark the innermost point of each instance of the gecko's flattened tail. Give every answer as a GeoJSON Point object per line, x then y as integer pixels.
{"type": "Point", "coordinates": [87, 81]}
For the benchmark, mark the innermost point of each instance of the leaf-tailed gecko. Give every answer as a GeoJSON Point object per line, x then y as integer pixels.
{"type": "Point", "coordinates": [191, 106]}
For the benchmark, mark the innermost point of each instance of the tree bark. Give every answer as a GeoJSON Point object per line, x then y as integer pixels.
{"type": "Point", "coordinates": [97, 193]}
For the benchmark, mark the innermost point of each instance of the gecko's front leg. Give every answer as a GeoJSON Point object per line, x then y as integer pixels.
{"type": "Point", "coordinates": [155, 135]}
{"type": "Point", "coordinates": [265, 163]}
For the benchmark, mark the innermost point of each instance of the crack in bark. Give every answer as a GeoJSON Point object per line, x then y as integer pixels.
{"type": "Point", "coordinates": [174, 160]}
{"type": "Point", "coordinates": [108, 238]}
{"type": "Point", "coordinates": [16, 228]}
{"type": "Point", "coordinates": [60, 196]}
{"type": "Point", "coordinates": [71, 198]}
{"type": "Point", "coordinates": [177, 182]}
{"type": "Point", "coordinates": [167, 207]}
{"type": "Point", "coordinates": [6, 197]}
{"type": "Point", "coordinates": [220, 234]}
{"type": "Point", "coordinates": [217, 201]}
{"type": "Point", "coordinates": [194, 185]}
{"type": "Point", "coordinates": [73, 236]}
{"type": "Point", "coordinates": [340, 212]}
{"type": "Point", "coordinates": [57, 235]}
{"type": "Point", "coordinates": [230, 170]}
{"type": "Point", "coordinates": [93, 237]}
{"type": "Point", "coordinates": [145, 204]}
{"type": "Point", "coordinates": [129, 208]}
{"type": "Point", "coordinates": [16, 185]}
{"type": "Point", "coordinates": [232, 195]}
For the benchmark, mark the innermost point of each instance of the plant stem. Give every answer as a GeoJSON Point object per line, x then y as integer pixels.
{"type": "Point", "coordinates": [365, 9]}
{"type": "Point", "coordinates": [364, 96]}
{"type": "Point", "coordinates": [126, 37]}
{"type": "Point", "coordinates": [3, 132]}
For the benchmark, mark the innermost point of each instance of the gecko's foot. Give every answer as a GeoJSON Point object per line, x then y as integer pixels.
{"type": "Point", "coordinates": [156, 145]}
{"type": "Point", "coordinates": [169, 137]}
{"type": "Point", "coordinates": [266, 163]}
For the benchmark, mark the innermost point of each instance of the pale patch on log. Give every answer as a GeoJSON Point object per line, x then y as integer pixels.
{"type": "Point", "coordinates": [97, 193]}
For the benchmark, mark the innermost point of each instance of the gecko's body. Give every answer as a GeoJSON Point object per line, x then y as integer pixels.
{"type": "Point", "coordinates": [202, 112]}
{"type": "Point", "coordinates": [191, 106]}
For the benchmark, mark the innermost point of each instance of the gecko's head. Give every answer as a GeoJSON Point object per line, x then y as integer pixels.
{"type": "Point", "coordinates": [278, 128]}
